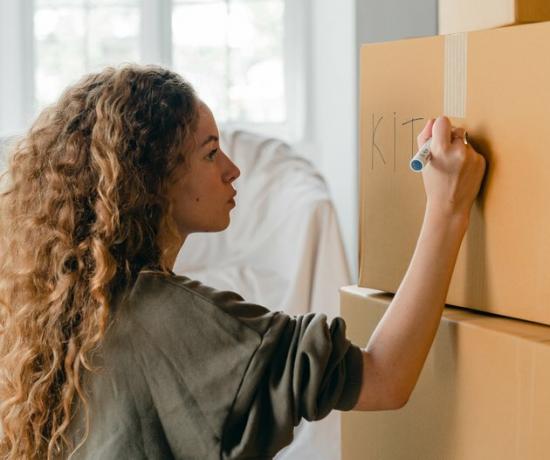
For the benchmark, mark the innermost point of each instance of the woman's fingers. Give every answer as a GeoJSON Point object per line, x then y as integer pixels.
{"type": "Point", "coordinates": [426, 133]}
{"type": "Point", "coordinates": [458, 133]}
{"type": "Point", "coordinates": [441, 135]}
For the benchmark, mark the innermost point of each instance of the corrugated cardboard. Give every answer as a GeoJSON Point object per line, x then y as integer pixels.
{"type": "Point", "coordinates": [482, 394]}
{"type": "Point", "coordinates": [504, 263]}
{"type": "Point", "coordinates": [468, 15]}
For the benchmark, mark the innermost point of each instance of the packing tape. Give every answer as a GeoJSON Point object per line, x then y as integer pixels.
{"type": "Point", "coordinates": [455, 75]}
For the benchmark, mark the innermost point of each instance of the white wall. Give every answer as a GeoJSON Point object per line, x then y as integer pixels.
{"type": "Point", "coordinates": [338, 27]}
{"type": "Point", "coordinates": [385, 20]}
{"type": "Point", "coordinates": [332, 111]}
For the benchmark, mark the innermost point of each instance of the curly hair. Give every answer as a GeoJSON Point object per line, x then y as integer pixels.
{"type": "Point", "coordinates": [83, 209]}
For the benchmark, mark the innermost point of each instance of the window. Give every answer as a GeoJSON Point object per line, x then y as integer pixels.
{"type": "Point", "coordinates": [73, 37]}
{"type": "Point", "coordinates": [232, 50]}
{"type": "Point", "coordinates": [241, 55]}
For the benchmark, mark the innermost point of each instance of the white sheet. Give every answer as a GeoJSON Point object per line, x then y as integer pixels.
{"type": "Point", "coordinates": [283, 250]}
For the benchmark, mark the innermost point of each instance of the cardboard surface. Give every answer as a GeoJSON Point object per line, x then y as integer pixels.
{"type": "Point", "coordinates": [482, 394]}
{"type": "Point", "coordinates": [504, 262]}
{"type": "Point", "coordinates": [468, 15]}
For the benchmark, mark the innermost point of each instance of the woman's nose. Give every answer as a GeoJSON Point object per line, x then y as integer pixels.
{"type": "Point", "coordinates": [232, 172]}
{"type": "Point", "coordinates": [236, 172]}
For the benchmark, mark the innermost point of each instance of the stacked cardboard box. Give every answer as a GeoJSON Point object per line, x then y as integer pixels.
{"type": "Point", "coordinates": [494, 84]}
{"type": "Point", "coordinates": [482, 392]}
{"type": "Point", "coordinates": [467, 15]}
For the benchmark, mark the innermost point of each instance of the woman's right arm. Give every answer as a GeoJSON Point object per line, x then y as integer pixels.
{"type": "Point", "coordinates": [397, 349]}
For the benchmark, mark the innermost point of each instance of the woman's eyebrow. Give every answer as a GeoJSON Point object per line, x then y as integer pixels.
{"type": "Point", "coordinates": [209, 139]}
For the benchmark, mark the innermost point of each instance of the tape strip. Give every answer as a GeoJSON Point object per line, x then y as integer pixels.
{"type": "Point", "coordinates": [456, 60]}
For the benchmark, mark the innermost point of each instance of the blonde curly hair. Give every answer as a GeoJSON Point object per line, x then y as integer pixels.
{"type": "Point", "coordinates": [83, 209]}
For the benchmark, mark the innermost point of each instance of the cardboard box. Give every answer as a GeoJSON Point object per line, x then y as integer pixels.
{"type": "Point", "coordinates": [468, 15]}
{"type": "Point", "coordinates": [482, 394]}
{"type": "Point", "coordinates": [495, 84]}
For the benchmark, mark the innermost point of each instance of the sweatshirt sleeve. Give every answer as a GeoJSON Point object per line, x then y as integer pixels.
{"type": "Point", "coordinates": [304, 367]}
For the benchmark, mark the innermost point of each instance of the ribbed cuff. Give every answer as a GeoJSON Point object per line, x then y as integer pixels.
{"type": "Point", "coordinates": [354, 379]}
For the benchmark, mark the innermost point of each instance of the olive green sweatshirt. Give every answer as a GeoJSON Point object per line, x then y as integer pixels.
{"type": "Point", "coordinates": [189, 372]}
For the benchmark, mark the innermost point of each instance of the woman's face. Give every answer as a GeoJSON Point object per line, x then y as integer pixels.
{"type": "Point", "coordinates": [202, 194]}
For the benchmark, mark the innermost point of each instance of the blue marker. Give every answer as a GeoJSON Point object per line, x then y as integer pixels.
{"type": "Point", "coordinates": [420, 160]}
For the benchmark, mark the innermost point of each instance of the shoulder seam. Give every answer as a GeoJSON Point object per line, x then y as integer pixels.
{"type": "Point", "coordinates": [207, 299]}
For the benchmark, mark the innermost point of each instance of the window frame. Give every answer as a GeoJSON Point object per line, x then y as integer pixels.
{"type": "Point", "coordinates": [17, 100]}
{"type": "Point", "coordinates": [17, 90]}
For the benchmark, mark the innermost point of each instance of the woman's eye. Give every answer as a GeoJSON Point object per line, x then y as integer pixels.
{"type": "Point", "coordinates": [212, 154]}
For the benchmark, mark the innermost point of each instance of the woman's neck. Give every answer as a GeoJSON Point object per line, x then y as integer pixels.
{"type": "Point", "coordinates": [171, 252]}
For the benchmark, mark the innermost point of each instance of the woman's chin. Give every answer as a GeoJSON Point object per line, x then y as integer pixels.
{"type": "Point", "coordinates": [219, 226]}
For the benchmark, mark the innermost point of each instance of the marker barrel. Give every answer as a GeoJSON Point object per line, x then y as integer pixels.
{"type": "Point", "coordinates": [420, 160]}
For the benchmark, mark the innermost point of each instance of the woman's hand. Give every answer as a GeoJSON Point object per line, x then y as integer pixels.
{"type": "Point", "coordinates": [453, 176]}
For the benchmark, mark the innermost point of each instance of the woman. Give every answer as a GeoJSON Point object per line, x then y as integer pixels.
{"type": "Point", "coordinates": [105, 353]}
